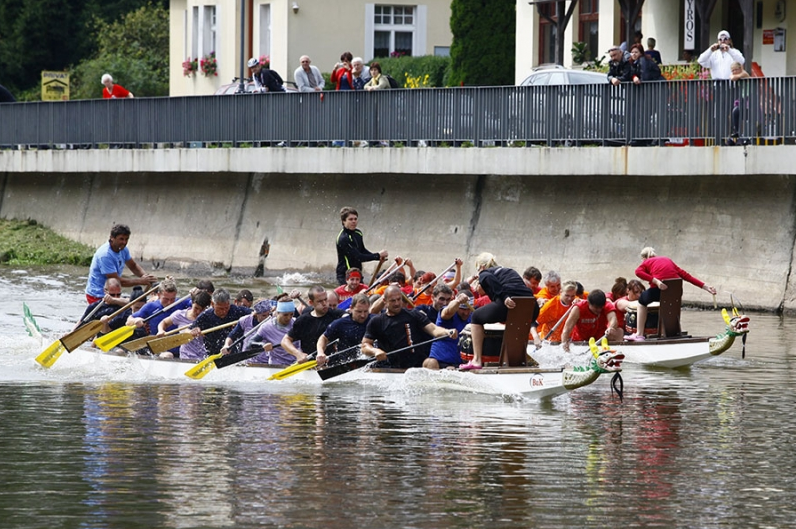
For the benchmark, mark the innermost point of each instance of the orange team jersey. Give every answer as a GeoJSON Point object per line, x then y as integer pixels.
{"type": "Point", "coordinates": [424, 298]}
{"type": "Point", "coordinates": [406, 289]}
{"type": "Point", "coordinates": [544, 294]}
{"type": "Point", "coordinates": [549, 314]}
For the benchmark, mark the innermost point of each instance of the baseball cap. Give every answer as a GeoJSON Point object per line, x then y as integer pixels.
{"type": "Point", "coordinates": [253, 62]}
{"type": "Point", "coordinates": [723, 34]}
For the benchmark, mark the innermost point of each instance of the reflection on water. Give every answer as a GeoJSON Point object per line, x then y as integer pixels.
{"type": "Point", "coordinates": [704, 447]}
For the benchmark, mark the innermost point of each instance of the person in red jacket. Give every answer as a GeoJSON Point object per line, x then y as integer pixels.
{"type": "Point", "coordinates": [657, 269]}
{"type": "Point", "coordinates": [114, 91]}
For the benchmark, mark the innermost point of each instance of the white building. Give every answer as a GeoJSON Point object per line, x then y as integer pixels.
{"type": "Point", "coordinates": [601, 24]}
{"type": "Point", "coordinates": [285, 30]}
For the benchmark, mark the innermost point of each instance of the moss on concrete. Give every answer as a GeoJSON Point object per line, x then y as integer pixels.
{"type": "Point", "coordinates": [25, 242]}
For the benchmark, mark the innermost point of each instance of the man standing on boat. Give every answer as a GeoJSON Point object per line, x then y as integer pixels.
{"type": "Point", "coordinates": [351, 251]}
{"type": "Point", "coordinates": [309, 326]}
{"type": "Point", "coordinates": [109, 261]}
{"type": "Point", "coordinates": [657, 269]}
{"type": "Point", "coordinates": [398, 328]}
{"type": "Point", "coordinates": [593, 317]}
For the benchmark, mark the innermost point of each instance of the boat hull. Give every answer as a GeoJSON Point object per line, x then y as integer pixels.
{"type": "Point", "coordinates": [529, 382]}
{"type": "Point", "coordinates": [670, 353]}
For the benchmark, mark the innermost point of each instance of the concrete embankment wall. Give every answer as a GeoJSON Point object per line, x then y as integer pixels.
{"type": "Point", "coordinates": [725, 215]}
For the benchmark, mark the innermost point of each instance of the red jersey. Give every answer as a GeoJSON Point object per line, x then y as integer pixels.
{"type": "Point", "coordinates": [663, 268]}
{"type": "Point", "coordinates": [591, 325]}
{"type": "Point", "coordinates": [343, 293]}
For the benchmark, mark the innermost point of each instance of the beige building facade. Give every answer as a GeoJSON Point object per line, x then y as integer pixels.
{"type": "Point", "coordinates": [284, 30]}
{"type": "Point", "coordinates": [670, 22]}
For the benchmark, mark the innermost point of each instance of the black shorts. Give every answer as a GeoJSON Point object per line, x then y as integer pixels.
{"type": "Point", "coordinates": [649, 295]}
{"type": "Point", "coordinates": [493, 312]}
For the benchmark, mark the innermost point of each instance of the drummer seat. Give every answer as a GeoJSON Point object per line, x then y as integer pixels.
{"type": "Point", "coordinates": [513, 351]}
{"type": "Point", "coordinates": [669, 311]}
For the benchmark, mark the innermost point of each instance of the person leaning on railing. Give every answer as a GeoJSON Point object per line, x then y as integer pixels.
{"type": "Point", "coordinates": [643, 68]}
{"type": "Point", "coordinates": [619, 69]}
{"type": "Point", "coordinates": [377, 80]}
{"type": "Point", "coordinates": [720, 56]}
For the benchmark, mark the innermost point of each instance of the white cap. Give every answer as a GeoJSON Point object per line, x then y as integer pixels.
{"type": "Point", "coordinates": [723, 33]}
{"type": "Point", "coordinates": [253, 62]}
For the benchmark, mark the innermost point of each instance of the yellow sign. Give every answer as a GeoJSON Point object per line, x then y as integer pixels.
{"type": "Point", "coordinates": [55, 86]}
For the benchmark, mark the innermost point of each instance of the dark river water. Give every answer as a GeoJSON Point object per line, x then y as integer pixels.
{"type": "Point", "coordinates": [711, 446]}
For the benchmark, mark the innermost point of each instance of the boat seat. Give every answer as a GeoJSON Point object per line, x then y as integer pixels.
{"type": "Point", "coordinates": [513, 351]}
{"type": "Point", "coordinates": [669, 310]}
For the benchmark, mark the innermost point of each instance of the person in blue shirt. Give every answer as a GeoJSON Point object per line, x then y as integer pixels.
{"type": "Point", "coordinates": [456, 315]}
{"type": "Point", "coordinates": [222, 311]}
{"type": "Point", "coordinates": [109, 261]}
{"type": "Point", "coordinates": [167, 294]}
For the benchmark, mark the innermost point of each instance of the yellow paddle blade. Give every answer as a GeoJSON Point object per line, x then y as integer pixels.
{"type": "Point", "coordinates": [48, 357]}
{"type": "Point", "coordinates": [114, 338]}
{"type": "Point", "coordinates": [198, 371]}
{"type": "Point", "coordinates": [292, 370]}
{"type": "Point", "coordinates": [725, 316]}
{"type": "Point", "coordinates": [593, 347]}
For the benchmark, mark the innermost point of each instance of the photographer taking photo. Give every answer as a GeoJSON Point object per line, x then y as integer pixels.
{"type": "Point", "coordinates": [718, 58]}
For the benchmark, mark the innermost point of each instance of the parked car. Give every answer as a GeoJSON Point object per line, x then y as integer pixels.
{"type": "Point", "coordinates": [572, 112]}
{"type": "Point", "coordinates": [232, 88]}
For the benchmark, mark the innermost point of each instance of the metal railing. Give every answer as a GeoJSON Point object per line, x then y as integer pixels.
{"type": "Point", "coordinates": [674, 112]}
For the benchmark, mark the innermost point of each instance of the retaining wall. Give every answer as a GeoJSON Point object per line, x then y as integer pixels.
{"type": "Point", "coordinates": [734, 231]}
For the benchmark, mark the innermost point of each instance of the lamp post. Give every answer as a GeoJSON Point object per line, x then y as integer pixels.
{"type": "Point", "coordinates": [242, 85]}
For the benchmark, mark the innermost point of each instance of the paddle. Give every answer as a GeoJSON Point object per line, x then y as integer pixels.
{"type": "Point", "coordinates": [558, 323]}
{"type": "Point", "coordinates": [392, 268]}
{"type": "Point", "coordinates": [140, 343]}
{"type": "Point", "coordinates": [114, 338]}
{"type": "Point", "coordinates": [376, 272]}
{"type": "Point", "coordinates": [432, 282]}
{"type": "Point", "coordinates": [202, 368]}
{"type": "Point", "coordinates": [165, 343]}
{"type": "Point", "coordinates": [334, 371]}
{"type": "Point", "coordinates": [309, 364]}
{"type": "Point", "coordinates": [74, 339]}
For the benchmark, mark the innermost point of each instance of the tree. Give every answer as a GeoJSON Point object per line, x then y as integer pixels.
{"type": "Point", "coordinates": [38, 35]}
{"type": "Point", "coordinates": [134, 50]}
{"type": "Point", "coordinates": [482, 51]}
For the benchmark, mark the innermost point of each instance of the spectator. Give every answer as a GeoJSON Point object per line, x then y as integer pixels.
{"type": "Point", "coordinates": [718, 58]}
{"type": "Point", "coordinates": [643, 68]}
{"type": "Point", "coordinates": [619, 69]}
{"type": "Point", "coordinates": [6, 96]}
{"type": "Point", "coordinates": [342, 74]}
{"type": "Point", "coordinates": [377, 80]}
{"type": "Point", "coordinates": [688, 56]}
{"type": "Point", "coordinates": [636, 40]}
{"type": "Point", "coordinates": [651, 52]}
{"type": "Point", "coordinates": [308, 78]}
{"type": "Point", "coordinates": [360, 77]}
{"type": "Point", "coordinates": [113, 91]}
{"type": "Point", "coordinates": [265, 79]}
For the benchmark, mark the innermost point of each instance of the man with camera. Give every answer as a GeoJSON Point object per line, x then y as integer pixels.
{"type": "Point", "coordinates": [718, 58]}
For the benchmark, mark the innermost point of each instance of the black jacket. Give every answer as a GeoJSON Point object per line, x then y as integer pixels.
{"type": "Point", "coordinates": [351, 252]}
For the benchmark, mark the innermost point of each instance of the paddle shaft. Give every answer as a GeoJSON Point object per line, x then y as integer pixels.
{"type": "Point", "coordinates": [135, 345]}
{"type": "Point", "coordinates": [376, 272]}
{"type": "Point", "coordinates": [249, 333]}
{"type": "Point", "coordinates": [433, 281]}
{"type": "Point", "coordinates": [169, 342]}
{"type": "Point", "coordinates": [85, 332]}
{"type": "Point", "coordinates": [337, 370]}
{"type": "Point", "coordinates": [559, 322]}
{"type": "Point", "coordinates": [392, 268]}
{"type": "Point", "coordinates": [161, 310]}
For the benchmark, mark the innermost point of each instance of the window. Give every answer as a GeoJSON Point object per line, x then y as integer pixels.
{"type": "Point", "coordinates": [394, 30]}
{"type": "Point", "coordinates": [203, 30]}
{"type": "Point", "coordinates": [265, 30]}
{"type": "Point", "coordinates": [588, 31]}
{"type": "Point", "coordinates": [547, 33]}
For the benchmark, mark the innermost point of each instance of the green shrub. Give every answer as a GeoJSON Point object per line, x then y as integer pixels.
{"type": "Point", "coordinates": [482, 51]}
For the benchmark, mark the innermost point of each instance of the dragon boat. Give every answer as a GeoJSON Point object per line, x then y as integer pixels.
{"type": "Point", "coordinates": [677, 350]}
{"type": "Point", "coordinates": [527, 381]}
